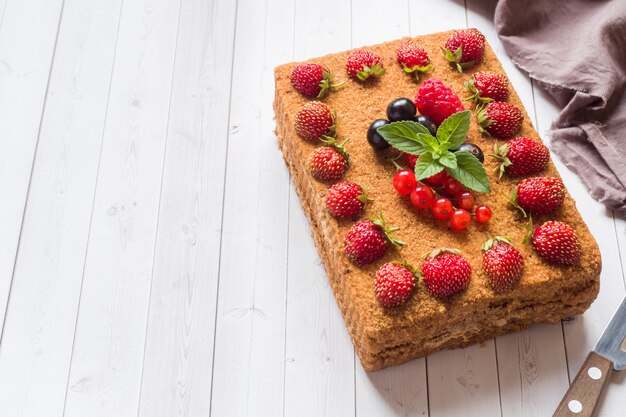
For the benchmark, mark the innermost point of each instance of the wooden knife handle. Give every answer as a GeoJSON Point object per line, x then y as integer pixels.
{"type": "Point", "coordinates": [582, 396]}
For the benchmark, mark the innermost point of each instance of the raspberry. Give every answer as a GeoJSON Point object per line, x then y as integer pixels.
{"type": "Point", "coordinates": [436, 101]}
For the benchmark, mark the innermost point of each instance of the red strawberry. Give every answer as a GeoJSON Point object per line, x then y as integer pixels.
{"type": "Point", "coordinates": [539, 195]}
{"type": "Point", "coordinates": [312, 80]}
{"type": "Point", "coordinates": [394, 284]}
{"type": "Point", "coordinates": [314, 120]}
{"type": "Point", "coordinates": [413, 58]}
{"type": "Point", "coordinates": [368, 240]}
{"type": "Point", "coordinates": [436, 101]}
{"type": "Point", "coordinates": [346, 199]}
{"type": "Point", "coordinates": [521, 156]}
{"type": "Point", "coordinates": [503, 263]}
{"type": "Point", "coordinates": [446, 272]}
{"type": "Point", "coordinates": [500, 120]}
{"type": "Point", "coordinates": [557, 243]}
{"type": "Point", "coordinates": [329, 163]}
{"type": "Point", "coordinates": [363, 64]}
{"type": "Point", "coordinates": [487, 86]}
{"type": "Point", "coordinates": [465, 48]}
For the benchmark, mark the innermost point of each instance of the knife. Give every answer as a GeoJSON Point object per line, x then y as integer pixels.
{"type": "Point", "coordinates": [581, 398]}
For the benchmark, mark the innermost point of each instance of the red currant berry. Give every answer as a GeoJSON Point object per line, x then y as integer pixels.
{"type": "Point", "coordinates": [422, 196]}
{"type": "Point", "coordinates": [483, 214]}
{"type": "Point", "coordinates": [442, 208]}
{"type": "Point", "coordinates": [404, 181]}
{"type": "Point", "coordinates": [452, 187]}
{"type": "Point", "coordinates": [411, 159]}
{"type": "Point", "coordinates": [460, 219]}
{"type": "Point", "coordinates": [466, 200]}
{"type": "Point", "coordinates": [437, 179]}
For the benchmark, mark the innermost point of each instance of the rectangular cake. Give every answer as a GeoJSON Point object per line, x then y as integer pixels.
{"type": "Point", "coordinates": [423, 324]}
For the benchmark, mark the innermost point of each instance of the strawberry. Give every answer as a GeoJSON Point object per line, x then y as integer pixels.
{"type": "Point", "coordinates": [436, 101]}
{"type": "Point", "coordinates": [503, 263]}
{"type": "Point", "coordinates": [521, 156]}
{"type": "Point", "coordinates": [394, 284]}
{"type": "Point", "coordinates": [487, 86]}
{"type": "Point", "coordinates": [329, 163]}
{"type": "Point", "coordinates": [539, 195]}
{"type": "Point", "coordinates": [500, 120]}
{"type": "Point", "coordinates": [465, 48]}
{"type": "Point", "coordinates": [315, 119]}
{"type": "Point", "coordinates": [363, 64]}
{"type": "Point", "coordinates": [312, 80]}
{"type": "Point", "coordinates": [368, 240]}
{"type": "Point", "coordinates": [446, 272]}
{"type": "Point", "coordinates": [413, 58]}
{"type": "Point", "coordinates": [557, 243]}
{"type": "Point", "coordinates": [346, 199]}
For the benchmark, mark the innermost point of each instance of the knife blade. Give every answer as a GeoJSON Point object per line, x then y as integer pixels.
{"type": "Point", "coordinates": [612, 344]}
{"type": "Point", "coordinates": [582, 397]}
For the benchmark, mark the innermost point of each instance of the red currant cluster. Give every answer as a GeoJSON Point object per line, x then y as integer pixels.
{"type": "Point", "coordinates": [423, 196]}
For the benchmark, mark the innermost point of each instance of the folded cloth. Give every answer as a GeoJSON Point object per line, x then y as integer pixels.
{"type": "Point", "coordinates": [576, 50]}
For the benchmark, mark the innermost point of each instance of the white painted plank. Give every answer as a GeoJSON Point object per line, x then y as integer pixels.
{"type": "Point", "coordinates": [27, 39]}
{"type": "Point", "coordinates": [532, 370]}
{"type": "Point", "coordinates": [582, 333]}
{"type": "Point", "coordinates": [531, 364]}
{"type": "Point", "coordinates": [3, 6]}
{"type": "Point", "coordinates": [391, 22]}
{"type": "Point", "coordinates": [464, 382]}
{"type": "Point", "coordinates": [395, 391]}
{"type": "Point", "coordinates": [399, 390]}
{"type": "Point", "coordinates": [39, 329]}
{"type": "Point", "coordinates": [319, 374]}
{"type": "Point", "coordinates": [106, 364]}
{"type": "Point", "coordinates": [436, 16]}
{"type": "Point", "coordinates": [177, 365]}
{"type": "Point", "coordinates": [250, 337]}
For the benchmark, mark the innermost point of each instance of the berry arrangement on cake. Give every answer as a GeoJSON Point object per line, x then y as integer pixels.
{"type": "Point", "coordinates": [433, 203]}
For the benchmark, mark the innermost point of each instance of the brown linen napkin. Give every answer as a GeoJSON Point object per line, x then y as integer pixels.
{"type": "Point", "coordinates": [576, 50]}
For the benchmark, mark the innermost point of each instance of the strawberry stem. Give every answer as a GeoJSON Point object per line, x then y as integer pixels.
{"type": "Point", "coordinates": [438, 251]}
{"type": "Point", "coordinates": [500, 153]}
{"type": "Point", "coordinates": [416, 273]}
{"type": "Point", "coordinates": [380, 221]}
{"type": "Point", "coordinates": [512, 199]}
{"type": "Point", "coordinates": [529, 230]}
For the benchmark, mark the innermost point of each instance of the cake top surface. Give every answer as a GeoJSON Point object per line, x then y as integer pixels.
{"type": "Point", "coordinates": [357, 104]}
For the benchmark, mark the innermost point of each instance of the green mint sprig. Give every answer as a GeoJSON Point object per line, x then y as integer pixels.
{"type": "Point", "coordinates": [435, 153]}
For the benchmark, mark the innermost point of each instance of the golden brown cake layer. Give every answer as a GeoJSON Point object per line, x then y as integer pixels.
{"type": "Point", "coordinates": [382, 337]}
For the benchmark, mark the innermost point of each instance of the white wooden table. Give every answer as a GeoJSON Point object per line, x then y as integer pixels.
{"type": "Point", "coordinates": [154, 258]}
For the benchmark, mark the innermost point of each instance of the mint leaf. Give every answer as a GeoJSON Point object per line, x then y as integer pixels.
{"type": "Point", "coordinates": [403, 136]}
{"type": "Point", "coordinates": [454, 129]}
{"type": "Point", "coordinates": [426, 167]}
{"type": "Point", "coordinates": [429, 142]}
{"type": "Point", "coordinates": [448, 160]}
{"type": "Point", "coordinates": [469, 172]}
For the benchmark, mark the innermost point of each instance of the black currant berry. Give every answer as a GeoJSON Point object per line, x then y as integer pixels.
{"type": "Point", "coordinates": [427, 123]}
{"type": "Point", "coordinates": [374, 138]}
{"type": "Point", "coordinates": [473, 149]}
{"type": "Point", "coordinates": [400, 109]}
